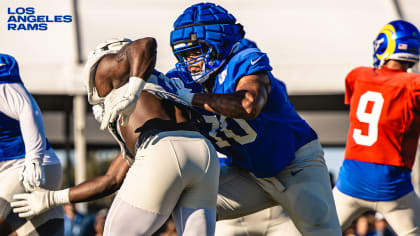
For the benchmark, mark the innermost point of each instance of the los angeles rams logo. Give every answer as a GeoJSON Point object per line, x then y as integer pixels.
{"type": "Point", "coordinates": [385, 43]}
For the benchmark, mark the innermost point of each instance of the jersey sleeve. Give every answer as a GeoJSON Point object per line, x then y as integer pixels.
{"type": "Point", "coordinates": [247, 62]}
{"type": "Point", "coordinates": [177, 75]}
{"type": "Point", "coordinates": [18, 104]}
{"type": "Point", "coordinates": [349, 83]}
{"type": "Point", "coordinates": [415, 93]}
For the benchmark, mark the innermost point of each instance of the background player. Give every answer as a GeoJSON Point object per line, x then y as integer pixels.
{"type": "Point", "coordinates": [383, 134]}
{"type": "Point", "coordinates": [26, 158]}
{"type": "Point", "coordinates": [176, 168]}
{"type": "Point", "coordinates": [275, 156]}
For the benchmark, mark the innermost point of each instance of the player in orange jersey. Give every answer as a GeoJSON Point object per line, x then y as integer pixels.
{"type": "Point", "coordinates": [383, 134]}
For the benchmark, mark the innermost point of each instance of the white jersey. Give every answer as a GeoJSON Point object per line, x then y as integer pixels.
{"type": "Point", "coordinates": [18, 104]}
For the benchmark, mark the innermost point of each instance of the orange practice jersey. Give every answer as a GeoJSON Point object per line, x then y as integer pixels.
{"type": "Point", "coordinates": [384, 116]}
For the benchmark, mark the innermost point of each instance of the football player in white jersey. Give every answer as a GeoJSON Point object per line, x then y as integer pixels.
{"type": "Point", "coordinates": [27, 160]}
{"type": "Point", "coordinates": [170, 167]}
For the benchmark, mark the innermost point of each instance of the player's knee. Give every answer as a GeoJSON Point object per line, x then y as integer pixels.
{"type": "Point", "coordinates": [191, 221]}
{"type": "Point", "coordinates": [311, 208]}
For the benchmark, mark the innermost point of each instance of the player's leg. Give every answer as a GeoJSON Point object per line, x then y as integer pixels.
{"type": "Point", "coordinates": [126, 219]}
{"type": "Point", "coordinates": [270, 222]}
{"type": "Point", "coordinates": [349, 208]}
{"type": "Point", "coordinates": [195, 213]}
{"type": "Point", "coordinates": [403, 214]}
{"type": "Point", "coordinates": [150, 190]}
{"type": "Point", "coordinates": [9, 182]}
{"type": "Point", "coordinates": [235, 227]}
{"type": "Point", "coordinates": [194, 221]}
{"type": "Point", "coordinates": [307, 196]}
{"type": "Point", "coordinates": [50, 222]}
{"type": "Point", "coordinates": [152, 187]}
{"type": "Point", "coordinates": [280, 223]}
{"type": "Point", "coordinates": [239, 194]}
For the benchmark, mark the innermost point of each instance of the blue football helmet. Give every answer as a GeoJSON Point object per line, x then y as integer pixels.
{"type": "Point", "coordinates": [398, 40]}
{"type": "Point", "coordinates": [205, 28]}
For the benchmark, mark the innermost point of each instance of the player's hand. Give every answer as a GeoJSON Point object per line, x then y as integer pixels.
{"type": "Point", "coordinates": [32, 174]}
{"type": "Point", "coordinates": [186, 95]}
{"type": "Point", "coordinates": [39, 201]}
{"type": "Point", "coordinates": [98, 112]}
{"type": "Point", "coordinates": [122, 101]}
{"type": "Point", "coordinates": [31, 204]}
{"type": "Point", "coordinates": [123, 107]}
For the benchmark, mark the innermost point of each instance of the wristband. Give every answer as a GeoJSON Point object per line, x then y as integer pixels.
{"type": "Point", "coordinates": [135, 86]}
{"type": "Point", "coordinates": [60, 197]}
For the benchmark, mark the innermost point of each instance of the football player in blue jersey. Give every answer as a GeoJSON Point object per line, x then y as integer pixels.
{"type": "Point", "coordinates": [274, 156]}
{"type": "Point", "coordinates": [26, 159]}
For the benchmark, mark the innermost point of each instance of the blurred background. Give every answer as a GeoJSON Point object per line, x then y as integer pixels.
{"type": "Point", "coordinates": [312, 45]}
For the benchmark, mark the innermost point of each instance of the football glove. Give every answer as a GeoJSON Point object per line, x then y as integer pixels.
{"type": "Point", "coordinates": [184, 93]}
{"type": "Point", "coordinates": [98, 112]}
{"type": "Point", "coordinates": [32, 174]}
{"type": "Point", "coordinates": [122, 102]}
{"type": "Point", "coordinates": [40, 200]}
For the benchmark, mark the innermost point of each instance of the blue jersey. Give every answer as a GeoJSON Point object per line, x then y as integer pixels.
{"type": "Point", "coordinates": [11, 141]}
{"type": "Point", "coordinates": [12, 145]}
{"type": "Point", "coordinates": [373, 182]}
{"type": "Point", "coordinates": [268, 143]}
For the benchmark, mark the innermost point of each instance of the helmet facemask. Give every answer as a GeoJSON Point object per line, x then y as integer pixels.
{"type": "Point", "coordinates": [191, 53]}
{"type": "Point", "coordinates": [211, 27]}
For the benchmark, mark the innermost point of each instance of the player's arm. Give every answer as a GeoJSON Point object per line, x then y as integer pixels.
{"type": "Point", "coordinates": [136, 59]}
{"type": "Point", "coordinates": [16, 103]}
{"type": "Point", "coordinates": [37, 202]}
{"type": "Point", "coordinates": [415, 88]}
{"type": "Point", "coordinates": [133, 64]}
{"type": "Point", "coordinates": [246, 102]}
{"type": "Point", "coordinates": [101, 186]}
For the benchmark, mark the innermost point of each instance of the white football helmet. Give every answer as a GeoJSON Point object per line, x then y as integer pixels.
{"type": "Point", "coordinates": [111, 46]}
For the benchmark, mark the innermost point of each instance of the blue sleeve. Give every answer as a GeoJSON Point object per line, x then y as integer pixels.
{"type": "Point", "coordinates": [246, 62]}
{"type": "Point", "coordinates": [175, 73]}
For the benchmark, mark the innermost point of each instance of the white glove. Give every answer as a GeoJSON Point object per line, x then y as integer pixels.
{"type": "Point", "coordinates": [186, 95]}
{"type": "Point", "coordinates": [39, 201]}
{"type": "Point", "coordinates": [122, 102]}
{"type": "Point", "coordinates": [98, 112]}
{"type": "Point", "coordinates": [32, 174]}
